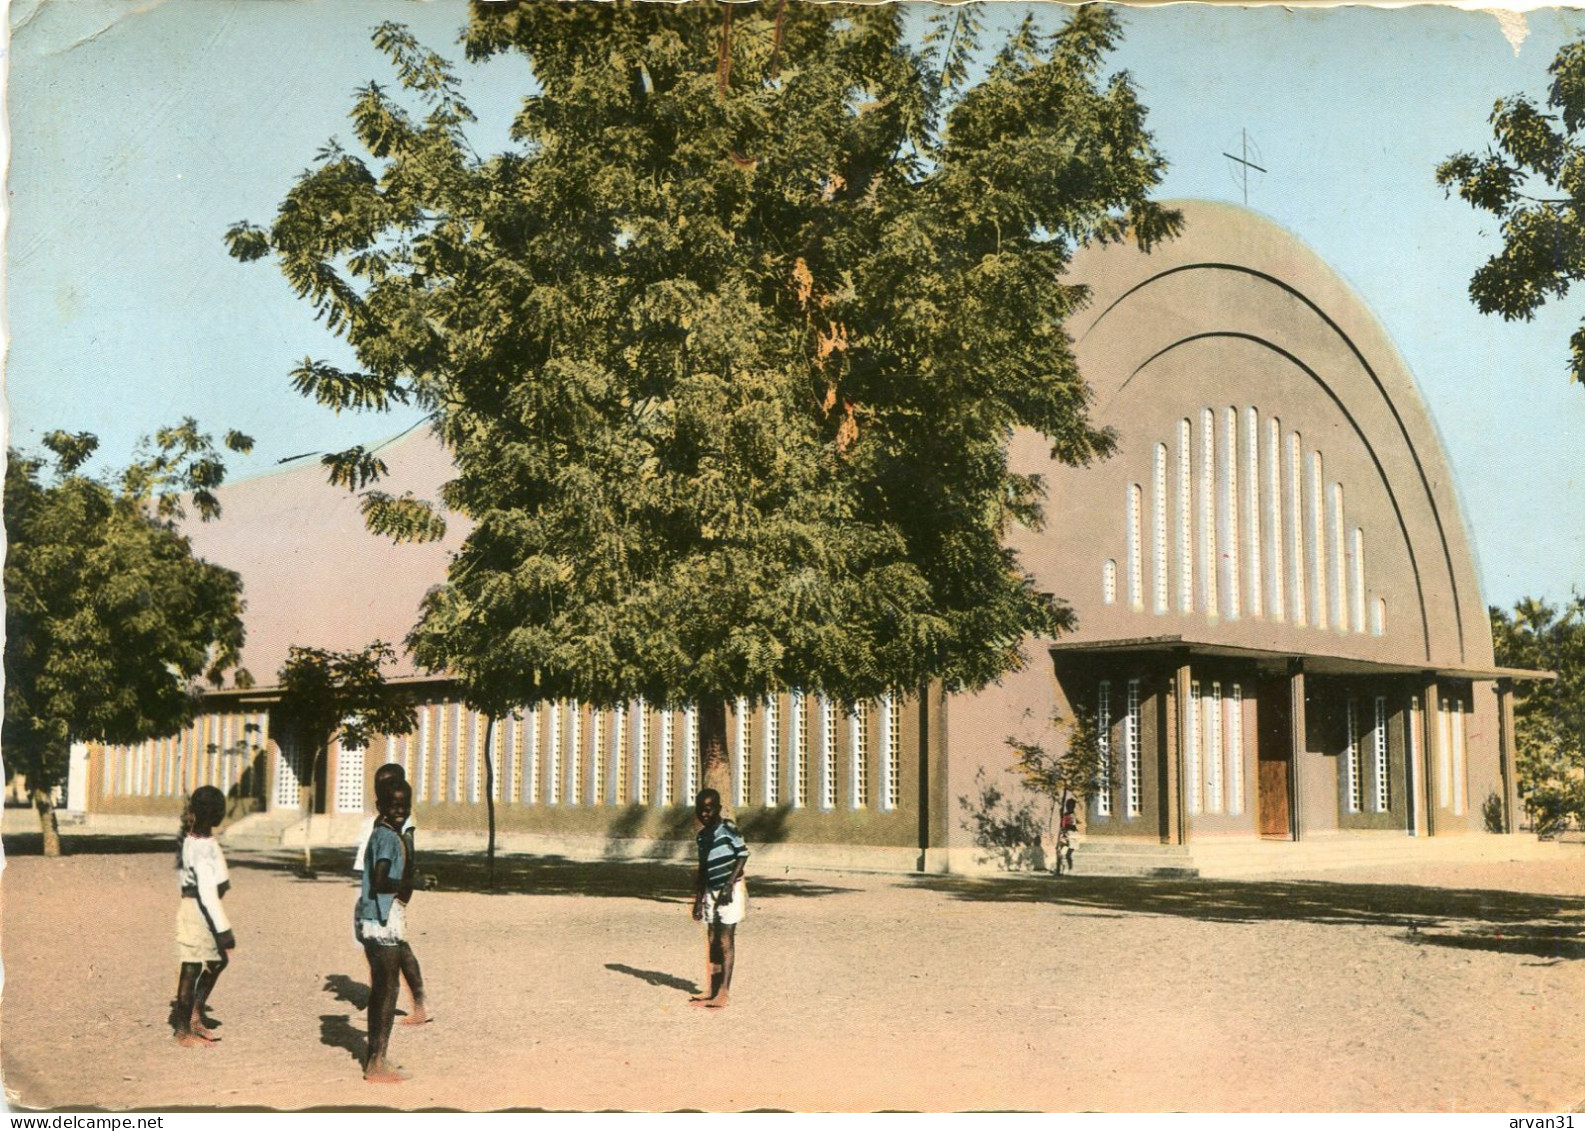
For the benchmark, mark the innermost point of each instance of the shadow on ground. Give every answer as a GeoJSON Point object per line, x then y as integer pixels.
{"type": "Point", "coordinates": [537, 875]}
{"type": "Point", "coordinates": [1544, 926]}
{"type": "Point", "coordinates": [32, 844]}
{"type": "Point", "coordinates": [654, 977]}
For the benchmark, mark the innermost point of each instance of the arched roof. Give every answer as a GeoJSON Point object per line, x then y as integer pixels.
{"type": "Point", "coordinates": [312, 573]}
{"type": "Point", "coordinates": [1227, 360]}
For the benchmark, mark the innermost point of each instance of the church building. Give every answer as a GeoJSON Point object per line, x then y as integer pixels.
{"type": "Point", "coordinates": [1280, 633]}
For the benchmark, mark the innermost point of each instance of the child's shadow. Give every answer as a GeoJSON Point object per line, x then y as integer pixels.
{"type": "Point", "coordinates": [336, 1031]}
{"type": "Point", "coordinates": [355, 994]}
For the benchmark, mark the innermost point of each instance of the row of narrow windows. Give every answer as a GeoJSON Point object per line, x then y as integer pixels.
{"type": "Point", "coordinates": [213, 750]}
{"type": "Point", "coordinates": [1128, 782]}
{"type": "Point", "coordinates": [1216, 748]}
{"type": "Point", "coordinates": [560, 754]}
{"type": "Point", "coordinates": [1255, 529]}
{"type": "Point", "coordinates": [1215, 751]}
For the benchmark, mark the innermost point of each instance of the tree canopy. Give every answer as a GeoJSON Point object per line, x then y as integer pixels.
{"type": "Point", "coordinates": [112, 624]}
{"type": "Point", "coordinates": [728, 348]}
{"type": "Point", "coordinates": [1549, 716]}
{"type": "Point", "coordinates": [1532, 179]}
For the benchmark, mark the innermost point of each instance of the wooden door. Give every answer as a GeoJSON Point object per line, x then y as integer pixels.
{"type": "Point", "coordinates": [1274, 757]}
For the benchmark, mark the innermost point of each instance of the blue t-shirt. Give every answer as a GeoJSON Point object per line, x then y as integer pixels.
{"type": "Point", "coordinates": [384, 844]}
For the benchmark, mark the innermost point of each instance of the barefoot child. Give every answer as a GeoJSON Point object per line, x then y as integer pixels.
{"type": "Point", "coordinates": [380, 918]}
{"type": "Point", "coordinates": [384, 777]}
{"type": "Point", "coordinates": [203, 933]}
{"type": "Point", "coordinates": [720, 895]}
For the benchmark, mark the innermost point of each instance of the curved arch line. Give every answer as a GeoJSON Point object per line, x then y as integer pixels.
{"type": "Point", "coordinates": [1414, 454]}
{"type": "Point", "coordinates": [1414, 565]}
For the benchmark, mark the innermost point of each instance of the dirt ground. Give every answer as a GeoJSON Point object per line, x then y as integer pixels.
{"type": "Point", "coordinates": [565, 988]}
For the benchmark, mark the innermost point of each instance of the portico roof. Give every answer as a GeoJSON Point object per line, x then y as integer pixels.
{"type": "Point", "coordinates": [1318, 663]}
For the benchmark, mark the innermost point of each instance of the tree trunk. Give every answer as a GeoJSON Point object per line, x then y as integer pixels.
{"type": "Point", "coordinates": [489, 795]}
{"type": "Point", "coordinates": [46, 811]}
{"type": "Point", "coordinates": [714, 764]}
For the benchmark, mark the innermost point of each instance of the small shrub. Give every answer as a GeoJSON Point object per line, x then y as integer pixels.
{"type": "Point", "coordinates": [1007, 832]}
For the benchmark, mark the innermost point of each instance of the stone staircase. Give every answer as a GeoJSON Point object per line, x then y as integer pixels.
{"type": "Point", "coordinates": [259, 832]}
{"type": "Point", "coordinates": [1098, 856]}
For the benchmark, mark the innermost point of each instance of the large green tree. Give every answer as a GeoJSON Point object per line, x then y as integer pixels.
{"type": "Point", "coordinates": [728, 349]}
{"type": "Point", "coordinates": [112, 625]}
{"type": "Point", "coordinates": [1532, 179]}
{"type": "Point", "coordinates": [1549, 716]}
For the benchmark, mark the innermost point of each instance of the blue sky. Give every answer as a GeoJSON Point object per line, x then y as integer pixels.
{"type": "Point", "coordinates": [141, 132]}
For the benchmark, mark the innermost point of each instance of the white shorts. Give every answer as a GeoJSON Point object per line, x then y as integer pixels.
{"type": "Point", "coordinates": [195, 942]}
{"type": "Point", "coordinates": [389, 933]}
{"type": "Point", "coordinates": [728, 914]}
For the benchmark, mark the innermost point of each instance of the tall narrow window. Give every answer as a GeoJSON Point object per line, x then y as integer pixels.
{"type": "Point", "coordinates": [1316, 530]}
{"type": "Point", "coordinates": [1185, 539]}
{"type": "Point", "coordinates": [574, 753]}
{"type": "Point", "coordinates": [666, 742]}
{"type": "Point", "coordinates": [690, 748]}
{"type": "Point", "coordinates": [421, 786]}
{"type": "Point", "coordinates": [1460, 756]}
{"type": "Point", "coordinates": [455, 756]}
{"type": "Point", "coordinates": [1444, 755]}
{"type": "Point", "coordinates": [1208, 557]}
{"type": "Point", "coordinates": [1338, 548]}
{"type": "Point", "coordinates": [1356, 572]}
{"type": "Point", "coordinates": [1296, 557]}
{"type": "Point", "coordinates": [1136, 566]}
{"type": "Point", "coordinates": [597, 756]}
{"type": "Point", "coordinates": [492, 751]}
{"type": "Point", "coordinates": [1213, 749]}
{"type": "Point", "coordinates": [1379, 615]}
{"type": "Point", "coordinates": [1253, 547]}
{"type": "Point", "coordinates": [1235, 747]}
{"type": "Point", "coordinates": [1158, 549]}
{"type": "Point", "coordinates": [622, 777]}
{"type": "Point", "coordinates": [1192, 749]}
{"type": "Point", "coordinates": [1103, 742]}
{"type": "Point", "coordinates": [642, 724]}
{"type": "Point", "coordinates": [512, 774]}
{"type": "Point", "coordinates": [1351, 787]}
{"type": "Point", "coordinates": [1109, 581]}
{"type": "Point", "coordinates": [773, 745]}
{"type": "Point", "coordinates": [1412, 769]}
{"type": "Point", "coordinates": [828, 753]}
{"type": "Point", "coordinates": [1131, 749]}
{"type": "Point", "coordinates": [1378, 745]}
{"type": "Point", "coordinates": [553, 763]}
{"type": "Point", "coordinates": [1276, 578]}
{"type": "Point", "coordinates": [891, 751]}
{"type": "Point", "coordinates": [740, 755]}
{"type": "Point", "coordinates": [859, 755]}
{"type": "Point", "coordinates": [1227, 527]}
{"type": "Point", "coordinates": [531, 756]}
{"type": "Point", "coordinates": [800, 750]}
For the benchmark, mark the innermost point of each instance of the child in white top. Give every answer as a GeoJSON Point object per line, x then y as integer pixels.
{"type": "Point", "coordinates": [203, 932]}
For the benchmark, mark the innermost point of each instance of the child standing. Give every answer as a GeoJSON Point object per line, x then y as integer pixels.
{"type": "Point", "coordinates": [380, 923]}
{"type": "Point", "coordinates": [720, 895]}
{"type": "Point", "coordinates": [203, 933]}
{"type": "Point", "coordinates": [386, 776]}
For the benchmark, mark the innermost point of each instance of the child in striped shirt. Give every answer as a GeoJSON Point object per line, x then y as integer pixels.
{"type": "Point", "coordinates": [720, 895]}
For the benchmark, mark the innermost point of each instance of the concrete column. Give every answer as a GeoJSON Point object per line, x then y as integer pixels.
{"type": "Point", "coordinates": [1174, 811]}
{"type": "Point", "coordinates": [1430, 706]}
{"type": "Point", "coordinates": [1297, 744]}
{"type": "Point", "coordinates": [1507, 754]}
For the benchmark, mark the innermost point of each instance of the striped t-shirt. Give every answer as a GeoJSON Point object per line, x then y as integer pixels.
{"type": "Point", "coordinates": [720, 849]}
